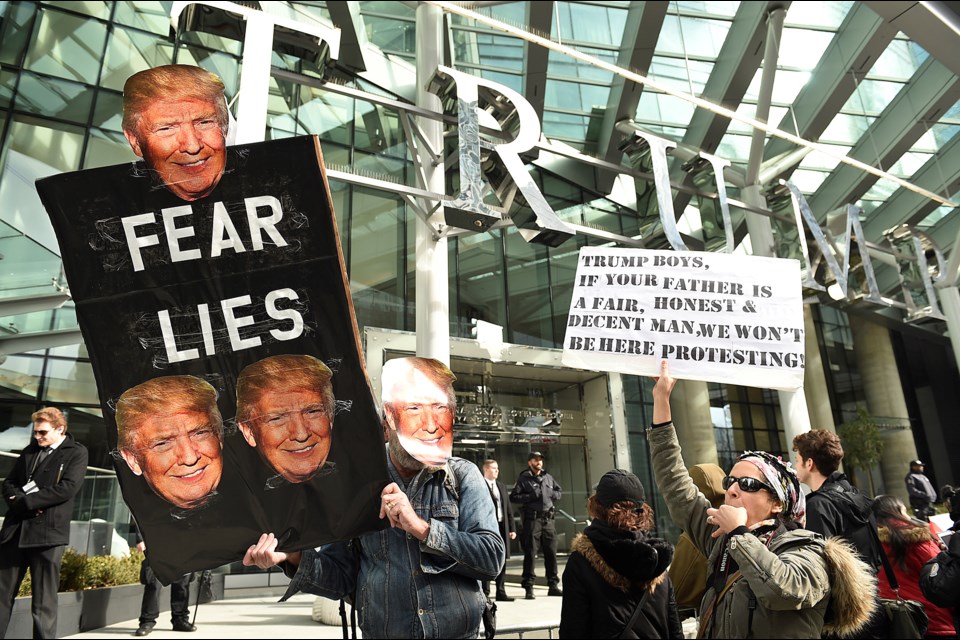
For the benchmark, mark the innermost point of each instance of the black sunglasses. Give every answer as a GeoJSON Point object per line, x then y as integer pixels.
{"type": "Point", "coordinates": [750, 485]}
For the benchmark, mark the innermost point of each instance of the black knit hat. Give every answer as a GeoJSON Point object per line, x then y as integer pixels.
{"type": "Point", "coordinates": [619, 485]}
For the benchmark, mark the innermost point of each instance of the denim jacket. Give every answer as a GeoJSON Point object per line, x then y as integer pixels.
{"type": "Point", "coordinates": [408, 589]}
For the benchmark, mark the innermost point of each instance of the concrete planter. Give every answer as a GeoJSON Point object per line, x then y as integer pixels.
{"type": "Point", "coordinates": [95, 608]}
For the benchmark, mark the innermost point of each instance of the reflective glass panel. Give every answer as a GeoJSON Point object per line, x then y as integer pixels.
{"type": "Point", "coordinates": [562, 66]}
{"type": "Point", "coordinates": [817, 14]}
{"type": "Point", "coordinates": [391, 34]}
{"type": "Point", "coordinates": [899, 61]}
{"type": "Point", "coordinates": [88, 7]}
{"type": "Point", "coordinates": [588, 22]}
{"type": "Point", "coordinates": [106, 148]}
{"type": "Point", "coordinates": [70, 381]}
{"type": "Point", "coordinates": [8, 80]}
{"type": "Point", "coordinates": [689, 76]}
{"type": "Point", "coordinates": [224, 65]}
{"type": "Point", "coordinates": [55, 98]}
{"type": "Point", "coordinates": [873, 96]}
{"type": "Point", "coordinates": [67, 46]}
{"type": "Point", "coordinates": [130, 51]}
{"type": "Point", "coordinates": [563, 269]}
{"type": "Point", "coordinates": [480, 277]}
{"type": "Point", "coordinates": [376, 251]}
{"type": "Point", "coordinates": [528, 288]}
{"type": "Point", "coordinates": [53, 147]}
{"type": "Point", "coordinates": [108, 111]}
{"type": "Point", "coordinates": [495, 51]}
{"type": "Point", "coordinates": [801, 49]}
{"type": "Point", "coordinates": [659, 107]}
{"type": "Point", "coordinates": [510, 80]}
{"type": "Point", "coordinates": [70, 351]}
{"type": "Point", "coordinates": [399, 9]}
{"type": "Point", "coordinates": [575, 96]}
{"type": "Point", "coordinates": [687, 36]}
{"type": "Point", "coordinates": [144, 15]}
{"type": "Point", "coordinates": [818, 160]}
{"type": "Point", "coordinates": [909, 163]}
{"type": "Point", "coordinates": [808, 181]}
{"type": "Point", "coordinates": [569, 127]}
{"type": "Point", "coordinates": [15, 30]}
{"type": "Point", "coordinates": [786, 86]}
{"type": "Point", "coordinates": [196, 41]}
{"type": "Point", "coordinates": [20, 377]}
{"type": "Point", "coordinates": [846, 129]}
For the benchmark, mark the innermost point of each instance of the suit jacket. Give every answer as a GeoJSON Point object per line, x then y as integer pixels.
{"type": "Point", "coordinates": [507, 526]}
{"type": "Point", "coordinates": [42, 518]}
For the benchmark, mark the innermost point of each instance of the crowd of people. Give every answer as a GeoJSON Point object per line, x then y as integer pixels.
{"type": "Point", "coordinates": [771, 559]}
{"type": "Point", "coordinates": [759, 556]}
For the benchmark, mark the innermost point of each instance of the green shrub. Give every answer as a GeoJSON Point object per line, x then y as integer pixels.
{"type": "Point", "coordinates": [79, 571]}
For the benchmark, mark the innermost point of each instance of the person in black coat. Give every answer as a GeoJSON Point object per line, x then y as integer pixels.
{"type": "Point", "coordinates": [36, 530]}
{"type": "Point", "coordinates": [537, 493]}
{"type": "Point", "coordinates": [615, 583]}
{"type": "Point", "coordinates": [940, 577]}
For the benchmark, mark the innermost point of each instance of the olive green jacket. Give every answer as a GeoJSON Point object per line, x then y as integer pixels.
{"type": "Point", "coordinates": [790, 579]}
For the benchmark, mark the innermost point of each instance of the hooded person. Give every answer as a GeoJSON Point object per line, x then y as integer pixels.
{"type": "Point", "coordinates": [767, 576]}
{"type": "Point", "coordinates": [615, 580]}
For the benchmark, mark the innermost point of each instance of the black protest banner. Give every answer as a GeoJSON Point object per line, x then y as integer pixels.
{"type": "Point", "coordinates": [186, 305]}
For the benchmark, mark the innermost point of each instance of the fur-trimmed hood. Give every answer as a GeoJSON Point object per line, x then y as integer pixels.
{"type": "Point", "coordinates": [853, 589]}
{"type": "Point", "coordinates": [911, 534]}
{"type": "Point", "coordinates": [624, 559]}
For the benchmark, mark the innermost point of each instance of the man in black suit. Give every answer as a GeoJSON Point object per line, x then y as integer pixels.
{"type": "Point", "coordinates": [36, 530]}
{"type": "Point", "coordinates": [504, 510]}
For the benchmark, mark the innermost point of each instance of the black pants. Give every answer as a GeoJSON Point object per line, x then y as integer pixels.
{"type": "Point", "coordinates": [44, 565]}
{"type": "Point", "coordinates": [539, 535]}
{"type": "Point", "coordinates": [150, 606]}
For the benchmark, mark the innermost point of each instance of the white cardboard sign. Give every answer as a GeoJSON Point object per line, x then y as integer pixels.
{"type": "Point", "coordinates": [713, 316]}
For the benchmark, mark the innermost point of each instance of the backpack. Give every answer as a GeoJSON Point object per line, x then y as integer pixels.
{"type": "Point", "coordinates": [859, 530]}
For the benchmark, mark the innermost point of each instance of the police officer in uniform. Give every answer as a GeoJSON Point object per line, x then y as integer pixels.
{"type": "Point", "coordinates": [536, 492]}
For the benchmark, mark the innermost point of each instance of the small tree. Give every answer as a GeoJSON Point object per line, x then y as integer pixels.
{"type": "Point", "coordinates": [862, 445]}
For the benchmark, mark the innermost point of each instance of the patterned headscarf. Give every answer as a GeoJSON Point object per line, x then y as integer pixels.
{"type": "Point", "coordinates": [782, 477]}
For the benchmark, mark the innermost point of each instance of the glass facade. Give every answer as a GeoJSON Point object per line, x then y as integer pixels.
{"type": "Point", "coordinates": [62, 69]}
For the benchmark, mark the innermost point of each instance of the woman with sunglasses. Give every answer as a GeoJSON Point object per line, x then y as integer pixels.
{"type": "Point", "coordinates": [615, 583]}
{"type": "Point", "coordinates": [767, 577]}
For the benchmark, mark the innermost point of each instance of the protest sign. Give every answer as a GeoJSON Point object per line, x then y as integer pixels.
{"type": "Point", "coordinates": [185, 304]}
{"type": "Point", "coordinates": [713, 316]}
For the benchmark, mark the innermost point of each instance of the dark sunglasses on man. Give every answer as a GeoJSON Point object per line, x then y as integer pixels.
{"type": "Point", "coordinates": [748, 484]}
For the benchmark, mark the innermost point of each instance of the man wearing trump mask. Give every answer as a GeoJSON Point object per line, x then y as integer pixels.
{"type": "Point", "coordinates": [418, 409]}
